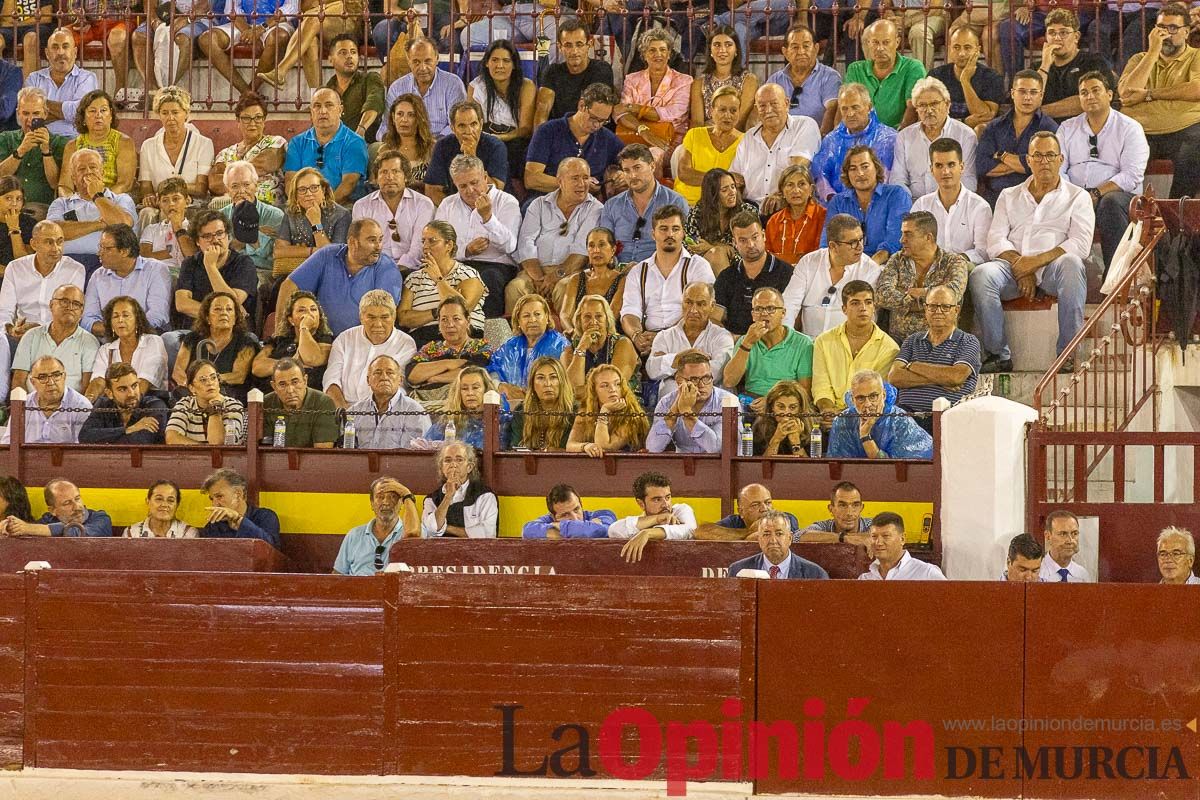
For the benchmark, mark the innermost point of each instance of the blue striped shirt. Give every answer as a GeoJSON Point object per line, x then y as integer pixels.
{"type": "Point", "coordinates": [960, 348]}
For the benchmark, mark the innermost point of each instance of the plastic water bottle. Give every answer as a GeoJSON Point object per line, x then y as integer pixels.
{"type": "Point", "coordinates": [231, 432]}
{"type": "Point", "coordinates": [451, 432]}
{"type": "Point", "coordinates": [814, 442]}
{"type": "Point", "coordinates": [747, 449]}
{"type": "Point", "coordinates": [349, 435]}
{"type": "Point", "coordinates": [280, 437]}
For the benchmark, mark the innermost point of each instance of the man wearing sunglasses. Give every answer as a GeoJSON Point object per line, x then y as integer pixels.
{"type": "Point", "coordinates": [1161, 90]}
{"type": "Point", "coordinates": [1105, 152]}
{"type": "Point", "coordinates": [366, 550]}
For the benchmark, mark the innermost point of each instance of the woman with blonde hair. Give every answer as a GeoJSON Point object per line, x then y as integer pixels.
{"type": "Point", "coordinates": [610, 418]}
{"type": "Point", "coordinates": [597, 341]}
{"type": "Point", "coordinates": [312, 217]}
{"type": "Point", "coordinates": [178, 148]}
{"type": "Point", "coordinates": [544, 421]}
{"type": "Point", "coordinates": [464, 407]}
{"type": "Point", "coordinates": [784, 429]}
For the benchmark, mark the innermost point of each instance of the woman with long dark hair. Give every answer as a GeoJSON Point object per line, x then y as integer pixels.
{"type": "Point", "coordinates": [723, 67]}
{"type": "Point", "coordinates": [14, 500]}
{"type": "Point", "coordinates": [408, 131]}
{"type": "Point", "coordinates": [708, 223]}
{"type": "Point", "coordinates": [507, 97]}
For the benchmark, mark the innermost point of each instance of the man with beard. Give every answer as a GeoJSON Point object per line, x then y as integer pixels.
{"type": "Point", "coordinates": [367, 548]}
{"type": "Point", "coordinates": [1062, 545]}
{"type": "Point", "coordinates": [124, 415]}
{"type": "Point", "coordinates": [629, 213]}
{"type": "Point", "coordinates": [399, 210]}
{"type": "Point", "coordinates": [776, 558]}
{"type": "Point", "coordinates": [735, 286]}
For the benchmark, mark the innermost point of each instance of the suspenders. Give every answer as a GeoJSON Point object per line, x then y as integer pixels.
{"type": "Point", "coordinates": [687, 262]}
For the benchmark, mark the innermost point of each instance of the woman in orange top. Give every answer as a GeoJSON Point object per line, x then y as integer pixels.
{"type": "Point", "coordinates": [795, 230]}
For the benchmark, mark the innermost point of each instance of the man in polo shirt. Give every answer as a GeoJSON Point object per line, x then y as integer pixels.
{"type": "Point", "coordinates": [54, 412]}
{"type": "Point", "coordinates": [1161, 89]}
{"type": "Point", "coordinates": [753, 501]}
{"type": "Point", "coordinates": [361, 90]}
{"type": "Point", "coordinates": [125, 273]}
{"type": "Point", "coordinates": [920, 264]}
{"type": "Point", "coordinates": [910, 166]}
{"type": "Point", "coordinates": [251, 237]}
{"type": "Point", "coordinates": [629, 215]}
{"type": "Point", "coordinates": [438, 89]}
{"type": "Point", "coordinates": [309, 415]}
{"type": "Point", "coordinates": [34, 156]}
{"type": "Point", "coordinates": [577, 133]}
{"type": "Point", "coordinates": [892, 562]}
{"type": "Point", "coordinates": [859, 126]}
{"type": "Point", "coordinates": [74, 347]}
{"type": "Point", "coordinates": [1062, 545]}
{"type": "Point", "coordinates": [962, 216]}
{"type": "Point", "coordinates": [688, 418]}
{"type": "Point", "coordinates": [561, 84]}
{"type": "Point", "coordinates": [82, 215]}
{"type": "Point", "coordinates": [735, 287]}
{"type": "Point", "coordinates": [857, 344]}
{"type": "Point", "coordinates": [888, 76]}
{"type": "Point", "coordinates": [366, 550]}
{"type": "Point", "coordinates": [1063, 63]}
{"type": "Point", "coordinates": [466, 124]}
{"type": "Point", "coordinates": [338, 152]}
{"type": "Point", "coordinates": [846, 522]}
{"type": "Point", "coordinates": [976, 90]}
{"type": "Point", "coordinates": [778, 141]}
{"type": "Point", "coordinates": [653, 297]}
{"type": "Point", "coordinates": [1000, 160]}
{"type": "Point", "coordinates": [401, 212]}
{"type": "Point", "coordinates": [695, 330]}
{"type": "Point", "coordinates": [811, 86]}
{"type": "Point", "coordinates": [214, 267]}
{"type": "Point", "coordinates": [770, 351]}
{"type": "Point", "coordinates": [940, 362]}
{"type": "Point", "coordinates": [340, 274]}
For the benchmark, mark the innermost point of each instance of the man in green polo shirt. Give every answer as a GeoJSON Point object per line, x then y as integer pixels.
{"type": "Point", "coordinates": [310, 415]}
{"type": "Point", "coordinates": [888, 75]}
{"type": "Point", "coordinates": [362, 91]}
{"type": "Point", "coordinates": [33, 156]}
{"type": "Point", "coordinates": [770, 351]}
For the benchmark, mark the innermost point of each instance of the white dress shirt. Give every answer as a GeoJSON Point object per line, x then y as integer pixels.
{"type": "Point", "coordinates": [413, 213]}
{"type": "Point", "coordinates": [500, 230]}
{"type": "Point", "coordinates": [962, 228]}
{"type": "Point", "coordinates": [27, 294]}
{"type": "Point", "coordinates": [1121, 145]}
{"type": "Point", "coordinates": [539, 237]}
{"type": "Point", "coordinates": [149, 360]}
{"type": "Point", "coordinates": [627, 527]}
{"type": "Point", "coordinates": [1065, 218]}
{"type": "Point", "coordinates": [662, 305]}
{"type": "Point", "coordinates": [808, 290]}
{"type": "Point", "coordinates": [761, 165]}
{"type": "Point", "coordinates": [714, 341]}
{"type": "Point", "coordinates": [907, 569]}
{"type": "Point", "coordinates": [352, 352]}
{"type": "Point", "coordinates": [910, 164]}
{"type": "Point", "coordinates": [1076, 573]}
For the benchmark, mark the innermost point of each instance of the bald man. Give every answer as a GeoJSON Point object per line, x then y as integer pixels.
{"type": "Point", "coordinates": [338, 152]}
{"type": "Point", "coordinates": [888, 76]}
{"type": "Point", "coordinates": [754, 500]}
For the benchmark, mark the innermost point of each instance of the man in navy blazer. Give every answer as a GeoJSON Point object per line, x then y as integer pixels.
{"type": "Point", "coordinates": [776, 558]}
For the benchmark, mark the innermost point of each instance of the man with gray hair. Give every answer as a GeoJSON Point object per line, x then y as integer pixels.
{"type": "Point", "coordinates": [859, 126]}
{"type": "Point", "coordinates": [487, 220]}
{"type": "Point", "coordinates": [54, 412]}
{"type": "Point", "coordinates": [388, 419]}
{"type": "Point", "coordinates": [1176, 556]}
{"type": "Point", "coordinates": [909, 274]}
{"type": "Point", "coordinates": [910, 167]}
{"type": "Point", "coordinates": [230, 515]}
{"type": "Point", "coordinates": [872, 426]}
{"type": "Point", "coordinates": [778, 141]}
{"type": "Point", "coordinates": [34, 156]}
{"type": "Point", "coordinates": [86, 212]}
{"type": "Point", "coordinates": [695, 330]}
{"type": "Point", "coordinates": [467, 138]}
{"type": "Point", "coordinates": [354, 349]}
{"type": "Point", "coordinates": [777, 558]}
{"type": "Point", "coordinates": [255, 224]}
{"type": "Point", "coordinates": [30, 280]}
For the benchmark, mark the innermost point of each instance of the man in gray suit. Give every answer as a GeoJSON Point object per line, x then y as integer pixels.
{"type": "Point", "coordinates": [776, 558]}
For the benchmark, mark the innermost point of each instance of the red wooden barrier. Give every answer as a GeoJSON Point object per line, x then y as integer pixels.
{"type": "Point", "coordinates": [165, 555]}
{"type": "Point", "coordinates": [12, 670]}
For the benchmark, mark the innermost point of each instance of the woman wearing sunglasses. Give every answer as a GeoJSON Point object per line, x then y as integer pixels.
{"type": "Point", "coordinates": [313, 218]}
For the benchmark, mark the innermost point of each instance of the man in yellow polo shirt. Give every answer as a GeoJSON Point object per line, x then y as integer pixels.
{"type": "Point", "coordinates": [857, 344]}
{"type": "Point", "coordinates": [1161, 89]}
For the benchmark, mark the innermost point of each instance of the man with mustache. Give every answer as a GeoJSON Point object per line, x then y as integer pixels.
{"type": "Point", "coordinates": [366, 549]}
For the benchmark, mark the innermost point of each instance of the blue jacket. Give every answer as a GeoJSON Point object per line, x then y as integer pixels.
{"type": "Point", "coordinates": [798, 568]}
{"type": "Point", "coordinates": [510, 363]}
{"type": "Point", "coordinates": [896, 433]}
{"type": "Point", "coordinates": [827, 163]}
{"type": "Point", "coordinates": [594, 525]}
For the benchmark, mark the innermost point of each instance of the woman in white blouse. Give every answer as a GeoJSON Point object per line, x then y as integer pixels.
{"type": "Point", "coordinates": [133, 344]}
{"type": "Point", "coordinates": [162, 504]}
{"type": "Point", "coordinates": [507, 98]}
{"type": "Point", "coordinates": [462, 506]}
{"type": "Point", "coordinates": [177, 149]}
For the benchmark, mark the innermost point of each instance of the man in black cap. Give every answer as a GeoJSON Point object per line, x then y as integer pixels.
{"type": "Point", "coordinates": [255, 223]}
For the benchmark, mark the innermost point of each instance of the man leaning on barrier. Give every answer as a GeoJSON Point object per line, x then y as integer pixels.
{"type": "Point", "coordinates": [661, 518]}
{"type": "Point", "coordinates": [230, 515]}
{"type": "Point", "coordinates": [66, 515]}
{"type": "Point", "coordinates": [846, 522]}
{"type": "Point", "coordinates": [568, 519]}
{"type": "Point", "coordinates": [754, 503]}
{"type": "Point", "coordinates": [366, 549]}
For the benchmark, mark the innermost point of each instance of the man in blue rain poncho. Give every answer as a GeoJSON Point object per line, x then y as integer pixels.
{"type": "Point", "coordinates": [873, 426]}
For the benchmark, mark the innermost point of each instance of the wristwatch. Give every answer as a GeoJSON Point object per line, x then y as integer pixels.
{"type": "Point", "coordinates": [318, 228]}
{"type": "Point", "coordinates": [864, 439]}
{"type": "Point", "coordinates": [1149, 96]}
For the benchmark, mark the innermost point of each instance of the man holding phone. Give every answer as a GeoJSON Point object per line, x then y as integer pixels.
{"type": "Point", "coordinates": [33, 154]}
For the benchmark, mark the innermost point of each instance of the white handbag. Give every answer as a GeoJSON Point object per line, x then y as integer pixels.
{"type": "Point", "coordinates": [1127, 251]}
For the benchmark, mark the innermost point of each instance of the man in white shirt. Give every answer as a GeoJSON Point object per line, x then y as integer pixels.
{"type": "Point", "coordinates": [695, 330]}
{"type": "Point", "coordinates": [354, 349]}
{"type": "Point", "coordinates": [892, 562]}
{"type": "Point", "coordinates": [1039, 237]}
{"type": "Point", "coordinates": [910, 165]}
{"type": "Point", "coordinates": [1062, 544]}
{"type": "Point", "coordinates": [812, 299]}
{"type": "Point", "coordinates": [653, 297]}
{"type": "Point", "coordinates": [1176, 553]}
{"type": "Point", "coordinates": [963, 217]}
{"type": "Point", "coordinates": [400, 212]}
{"type": "Point", "coordinates": [1104, 152]}
{"type": "Point", "coordinates": [660, 518]}
{"type": "Point", "coordinates": [30, 280]}
{"type": "Point", "coordinates": [776, 142]}
{"type": "Point", "coordinates": [487, 221]}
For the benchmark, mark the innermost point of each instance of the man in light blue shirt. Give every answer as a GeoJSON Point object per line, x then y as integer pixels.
{"type": "Point", "coordinates": [388, 419]}
{"type": "Point", "coordinates": [439, 89]}
{"type": "Point", "coordinates": [338, 152]}
{"type": "Point", "coordinates": [630, 214]}
{"type": "Point", "coordinates": [367, 548]}
{"type": "Point", "coordinates": [690, 416]}
{"type": "Point", "coordinates": [85, 213]}
{"type": "Point", "coordinates": [54, 412]}
{"type": "Point", "coordinates": [812, 87]}
{"type": "Point", "coordinates": [124, 273]}
{"type": "Point", "coordinates": [241, 181]}
{"type": "Point", "coordinates": [62, 338]}
{"type": "Point", "coordinates": [64, 82]}
{"type": "Point", "coordinates": [567, 519]}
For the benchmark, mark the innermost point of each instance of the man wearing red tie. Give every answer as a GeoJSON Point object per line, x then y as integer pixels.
{"type": "Point", "coordinates": [776, 558]}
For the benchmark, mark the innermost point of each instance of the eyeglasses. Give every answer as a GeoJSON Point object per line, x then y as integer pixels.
{"type": "Point", "coordinates": [380, 551]}
{"type": "Point", "coordinates": [320, 156]}
{"type": "Point", "coordinates": [254, 119]}
{"type": "Point", "coordinates": [1170, 29]}
{"type": "Point", "coordinates": [1044, 158]}
{"type": "Point", "coordinates": [703, 380]}
{"type": "Point", "coordinates": [1058, 33]}
{"type": "Point", "coordinates": [46, 377]}
{"type": "Point", "coordinates": [866, 398]}
{"type": "Point", "coordinates": [1094, 143]}
{"type": "Point", "coordinates": [941, 308]}
{"type": "Point", "coordinates": [213, 237]}
{"type": "Point", "coordinates": [853, 243]}
{"type": "Point", "coordinates": [929, 106]}
{"type": "Point", "coordinates": [637, 228]}
{"type": "Point", "coordinates": [1174, 555]}
{"type": "Point", "coordinates": [314, 188]}
{"type": "Point", "coordinates": [765, 309]}
{"type": "Point", "coordinates": [395, 229]}
{"type": "Point", "coordinates": [832, 290]}
{"type": "Point", "coordinates": [74, 305]}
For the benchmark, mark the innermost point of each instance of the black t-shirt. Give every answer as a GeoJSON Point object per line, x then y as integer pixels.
{"type": "Point", "coordinates": [239, 272]}
{"type": "Point", "coordinates": [734, 290]}
{"type": "Point", "coordinates": [986, 82]}
{"type": "Point", "coordinates": [568, 87]}
{"type": "Point", "coordinates": [1063, 82]}
{"type": "Point", "coordinates": [25, 222]}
